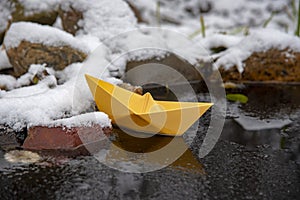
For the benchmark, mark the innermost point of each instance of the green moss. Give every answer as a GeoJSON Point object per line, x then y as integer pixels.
{"type": "Point", "coordinates": [237, 98]}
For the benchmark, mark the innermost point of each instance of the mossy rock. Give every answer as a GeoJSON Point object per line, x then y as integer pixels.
{"type": "Point", "coordinates": [270, 66]}
{"type": "Point", "coordinates": [16, 11]}
{"type": "Point", "coordinates": [28, 53]}
{"type": "Point", "coordinates": [183, 67]}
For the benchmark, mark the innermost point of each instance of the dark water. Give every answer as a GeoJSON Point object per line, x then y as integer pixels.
{"type": "Point", "coordinates": [256, 161]}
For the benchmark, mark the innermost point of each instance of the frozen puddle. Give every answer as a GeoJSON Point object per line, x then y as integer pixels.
{"type": "Point", "coordinates": [254, 124]}
{"type": "Point", "coordinates": [254, 132]}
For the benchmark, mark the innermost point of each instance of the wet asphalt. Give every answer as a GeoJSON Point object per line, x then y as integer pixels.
{"type": "Point", "coordinates": [251, 168]}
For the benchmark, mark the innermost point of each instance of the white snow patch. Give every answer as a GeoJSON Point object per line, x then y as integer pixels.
{"type": "Point", "coordinates": [220, 40]}
{"type": "Point", "coordinates": [4, 14]}
{"type": "Point", "coordinates": [104, 18]}
{"type": "Point", "coordinates": [7, 81]}
{"type": "Point", "coordinates": [86, 120]}
{"type": "Point", "coordinates": [4, 61]}
{"type": "Point", "coordinates": [36, 6]}
{"type": "Point", "coordinates": [92, 42]}
{"type": "Point", "coordinates": [23, 92]}
{"type": "Point", "coordinates": [58, 23]}
{"type": "Point", "coordinates": [43, 34]}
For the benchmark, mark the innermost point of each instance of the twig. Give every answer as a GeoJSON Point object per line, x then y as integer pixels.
{"type": "Point", "coordinates": [158, 13]}
{"type": "Point", "coordinates": [297, 33]}
{"type": "Point", "coordinates": [202, 26]}
{"type": "Point", "coordinates": [268, 20]}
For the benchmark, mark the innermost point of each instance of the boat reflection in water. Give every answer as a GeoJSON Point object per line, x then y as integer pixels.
{"type": "Point", "coordinates": [129, 153]}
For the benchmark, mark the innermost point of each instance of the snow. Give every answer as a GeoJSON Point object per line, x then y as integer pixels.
{"type": "Point", "coordinates": [58, 23]}
{"type": "Point", "coordinates": [37, 6]}
{"type": "Point", "coordinates": [4, 14]}
{"type": "Point", "coordinates": [46, 35]}
{"type": "Point", "coordinates": [23, 92]}
{"type": "Point", "coordinates": [4, 62]}
{"type": "Point", "coordinates": [36, 104]}
{"type": "Point", "coordinates": [116, 17]}
{"type": "Point", "coordinates": [223, 14]}
{"type": "Point", "coordinates": [220, 40]}
{"type": "Point", "coordinates": [258, 41]}
{"type": "Point", "coordinates": [87, 120]}
{"type": "Point", "coordinates": [7, 81]}
{"type": "Point", "coordinates": [92, 42]}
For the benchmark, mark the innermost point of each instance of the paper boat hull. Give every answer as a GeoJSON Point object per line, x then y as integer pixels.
{"type": "Point", "coordinates": [142, 113]}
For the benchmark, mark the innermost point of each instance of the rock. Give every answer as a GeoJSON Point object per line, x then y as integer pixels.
{"type": "Point", "coordinates": [63, 138]}
{"type": "Point", "coordinates": [42, 12]}
{"type": "Point", "coordinates": [163, 76]}
{"type": "Point", "coordinates": [2, 33]}
{"type": "Point", "coordinates": [70, 19]}
{"type": "Point", "coordinates": [37, 74]}
{"type": "Point", "coordinates": [43, 44]}
{"type": "Point", "coordinates": [33, 53]}
{"type": "Point", "coordinates": [178, 76]}
{"type": "Point", "coordinates": [272, 65]}
{"type": "Point", "coordinates": [182, 66]}
{"type": "Point", "coordinates": [101, 19]}
{"type": "Point", "coordinates": [20, 156]}
{"type": "Point", "coordinates": [9, 139]}
{"type": "Point", "coordinates": [135, 89]}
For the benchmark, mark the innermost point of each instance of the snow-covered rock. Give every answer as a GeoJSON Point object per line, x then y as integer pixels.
{"type": "Point", "coordinates": [83, 120]}
{"type": "Point", "coordinates": [32, 7]}
{"type": "Point", "coordinates": [41, 105]}
{"type": "Point", "coordinates": [102, 19]}
{"type": "Point", "coordinates": [28, 43]}
{"type": "Point", "coordinates": [69, 133]}
{"type": "Point", "coordinates": [42, 34]}
{"type": "Point", "coordinates": [258, 41]}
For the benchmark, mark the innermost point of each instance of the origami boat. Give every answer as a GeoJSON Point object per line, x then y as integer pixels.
{"type": "Point", "coordinates": [143, 113]}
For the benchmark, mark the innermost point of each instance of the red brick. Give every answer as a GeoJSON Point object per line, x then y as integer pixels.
{"type": "Point", "coordinates": [62, 138]}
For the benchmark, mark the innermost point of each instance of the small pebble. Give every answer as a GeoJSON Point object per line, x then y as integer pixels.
{"type": "Point", "coordinates": [21, 156]}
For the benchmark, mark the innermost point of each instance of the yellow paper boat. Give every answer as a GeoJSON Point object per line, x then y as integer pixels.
{"type": "Point", "coordinates": [142, 112]}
